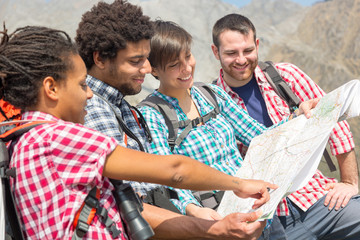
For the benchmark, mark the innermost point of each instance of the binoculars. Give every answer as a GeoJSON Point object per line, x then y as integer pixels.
{"type": "Point", "coordinates": [130, 207]}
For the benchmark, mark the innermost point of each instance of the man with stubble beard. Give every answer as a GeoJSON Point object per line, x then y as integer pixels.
{"type": "Point", "coordinates": [324, 208]}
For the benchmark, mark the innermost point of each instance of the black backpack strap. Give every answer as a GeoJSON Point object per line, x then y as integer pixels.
{"type": "Point", "coordinates": [285, 92]}
{"type": "Point", "coordinates": [11, 215]}
{"type": "Point", "coordinates": [160, 197]}
{"type": "Point", "coordinates": [122, 125]}
{"type": "Point", "coordinates": [142, 123]}
{"type": "Point", "coordinates": [279, 85]}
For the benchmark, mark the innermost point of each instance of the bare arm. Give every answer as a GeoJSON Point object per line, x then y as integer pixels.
{"type": "Point", "coordinates": [170, 225]}
{"type": "Point", "coordinates": [180, 172]}
{"type": "Point", "coordinates": [340, 193]}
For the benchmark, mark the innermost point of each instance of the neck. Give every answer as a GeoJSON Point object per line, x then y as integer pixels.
{"type": "Point", "coordinates": [232, 82]}
{"type": "Point", "coordinates": [179, 94]}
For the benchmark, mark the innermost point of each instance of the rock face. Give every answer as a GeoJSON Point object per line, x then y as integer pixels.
{"type": "Point", "coordinates": [323, 40]}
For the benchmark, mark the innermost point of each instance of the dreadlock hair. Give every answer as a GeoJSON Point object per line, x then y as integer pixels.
{"type": "Point", "coordinates": [107, 28]}
{"type": "Point", "coordinates": [27, 56]}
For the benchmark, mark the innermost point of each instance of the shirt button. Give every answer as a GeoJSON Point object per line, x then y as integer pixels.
{"type": "Point", "coordinates": [222, 145]}
{"type": "Point", "coordinates": [227, 163]}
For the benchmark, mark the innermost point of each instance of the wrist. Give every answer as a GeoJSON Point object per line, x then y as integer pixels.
{"type": "Point", "coordinates": [192, 209]}
{"type": "Point", "coordinates": [294, 114]}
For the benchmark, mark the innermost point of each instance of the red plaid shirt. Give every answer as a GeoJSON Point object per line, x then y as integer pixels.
{"type": "Point", "coordinates": [57, 164]}
{"type": "Point", "coordinates": [341, 140]}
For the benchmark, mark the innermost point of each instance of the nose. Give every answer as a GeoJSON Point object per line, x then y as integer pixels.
{"type": "Point", "coordinates": [89, 93]}
{"type": "Point", "coordinates": [146, 67]}
{"type": "Point", "coordinates": [240, 59]}
{"type": "Point", "coordinates": [187, 66]}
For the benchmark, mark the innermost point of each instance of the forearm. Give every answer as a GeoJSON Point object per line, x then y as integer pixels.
{"type": "Point", "coordinates": [348, 166]}
{"type": "Point", "coordinates": [175, 170]}
{"type": "Point", "coordinates": [170, 225]}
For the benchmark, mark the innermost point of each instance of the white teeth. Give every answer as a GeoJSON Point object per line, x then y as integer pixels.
{"type": "Point", "coordinates": [186, 78]}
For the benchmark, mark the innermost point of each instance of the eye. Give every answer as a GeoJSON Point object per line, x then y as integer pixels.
{"type": "Point", "coordinates": [83, 85]}
{"type": "Point", "coordinates": [230, 53]}
{"type": "Point", "coordinates": [135, 62]}
{"type": "Point", "coordinates": [172, 65]}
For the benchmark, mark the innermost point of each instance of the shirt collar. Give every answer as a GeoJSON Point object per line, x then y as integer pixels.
{"type": "Point", "coordinates": [259, 76]}
{"type": "Point", "coordinates": [36, 116]}
{"type": "Point", "coordinates": [110, 93]}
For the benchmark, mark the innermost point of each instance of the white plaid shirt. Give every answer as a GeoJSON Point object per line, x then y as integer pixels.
{"type": "Point", "coordinates": [341, 140]}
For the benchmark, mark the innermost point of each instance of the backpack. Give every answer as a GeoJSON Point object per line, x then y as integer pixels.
{"type": "Point", "coordinates": [8, 113]}
{"type": "Point", "coordinates": [84, 215]}
{"type": "Point", "coordinates": [10, 218]}
{"type": "Point", "coordinates": [208, 199]}
{"type": "Point", "coordinates": [171, 118]}
{"type": "Point", "coordinates": [284, 91]}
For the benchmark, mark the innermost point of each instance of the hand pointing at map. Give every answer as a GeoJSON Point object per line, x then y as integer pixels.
{"type": "Point", "coordinates": [305, 108]}
{"type": "Point", "coordinates": [257, 189]}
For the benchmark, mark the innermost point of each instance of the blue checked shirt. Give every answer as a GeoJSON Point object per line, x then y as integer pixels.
{"type": "Point", "coordinates": [213, 143]}
{"type": "Point", "coordinates": [101, 117]}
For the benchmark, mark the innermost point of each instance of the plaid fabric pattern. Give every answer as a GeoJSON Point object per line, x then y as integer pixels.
{"type": "Point", "coordinates": [341, 140]}
{"type": "Point", "coordinates": [101, 117]}
{"type": "Point", "coordinates": [57, 164]}
{"type": "Point", "coordinates": [212, 143]}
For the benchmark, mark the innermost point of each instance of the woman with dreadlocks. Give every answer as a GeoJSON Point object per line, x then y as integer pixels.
{"type": "Point", "coordinates": [59, 162]}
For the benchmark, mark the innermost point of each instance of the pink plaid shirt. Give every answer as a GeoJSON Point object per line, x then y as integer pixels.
{"type": "Point", "coordinates": [341, 140]}
{"type": "Point", "coordinates": [57, 164]}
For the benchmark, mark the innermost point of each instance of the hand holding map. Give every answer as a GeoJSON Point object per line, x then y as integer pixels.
{"type": "Point", "coordinates": [290, 154]}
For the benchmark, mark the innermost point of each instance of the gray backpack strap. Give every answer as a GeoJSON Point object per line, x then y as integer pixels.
{"type": "Point", "coordinates": [82, 225]}
{"type": "Point", "coordinates": [209, 199]}
{"type": "Point", "coordinates": [209, 95]}
{"type": "Point", "coordinates": [169, 114]}
{"type": "Point", "coordinates": [279, 85]}
{"type": "Point", "coordinates": [171, 119]}
{"type": "Point", "coordinates": [284, 91]}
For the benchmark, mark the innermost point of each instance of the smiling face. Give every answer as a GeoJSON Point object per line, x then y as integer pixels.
{"type": "Point", "coordinates": [177, 75]}
{"type": "Point", "coordinates": [127, 71]}
{"type": "Point", "coordinates": [238, 55]}
{"type": "Point", "coordinates": [73, 92]}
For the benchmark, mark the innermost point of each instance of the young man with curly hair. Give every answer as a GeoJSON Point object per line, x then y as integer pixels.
{"type": "Point", "coordinates": [114, 41]}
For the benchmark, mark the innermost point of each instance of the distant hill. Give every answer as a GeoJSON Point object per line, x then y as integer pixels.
{"type": "Point", "coordinates": [323, 40]}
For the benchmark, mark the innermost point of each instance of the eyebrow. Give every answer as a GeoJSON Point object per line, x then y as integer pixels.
{"type": "Point", "coordinates": [137, 56]}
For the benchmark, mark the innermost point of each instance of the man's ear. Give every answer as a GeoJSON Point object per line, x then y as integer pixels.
{"type": "Point", "coordinates": [215, 51]}
{"type": "Point", "coordinates": [51, 88]}
{"type": "Point", "coordinates": [99, 62]}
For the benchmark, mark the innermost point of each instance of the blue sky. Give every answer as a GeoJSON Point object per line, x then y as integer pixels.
{"type": "Point", "coordinates": [241, 3]}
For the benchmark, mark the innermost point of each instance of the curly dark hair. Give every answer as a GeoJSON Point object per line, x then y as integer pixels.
{"type": "Point", "coordinates": [27, 56]}
{"type": "Point", "coordinates": [107, 28]}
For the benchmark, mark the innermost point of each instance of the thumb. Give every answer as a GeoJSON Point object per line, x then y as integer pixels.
{"type": "Point", "coordinates": [249, 217]}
